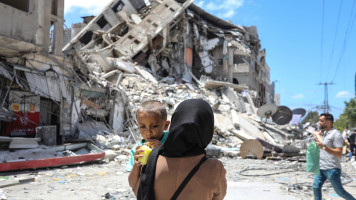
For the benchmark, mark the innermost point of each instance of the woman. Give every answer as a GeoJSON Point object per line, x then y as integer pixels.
{"type": "Point", "coordinates": [191, 130]}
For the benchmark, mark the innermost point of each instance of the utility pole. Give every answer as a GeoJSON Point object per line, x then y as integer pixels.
{"type": "Point", "coordinates": [326, 106]}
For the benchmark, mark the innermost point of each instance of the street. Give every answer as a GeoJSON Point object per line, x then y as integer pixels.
{"type": "Point", "coordinates": [266, 179]}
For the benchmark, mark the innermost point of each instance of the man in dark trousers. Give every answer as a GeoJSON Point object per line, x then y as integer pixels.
{"type": "Point", "coordinates": [353, 144]}
{"type": "Point", "coordinates": [330, 142]}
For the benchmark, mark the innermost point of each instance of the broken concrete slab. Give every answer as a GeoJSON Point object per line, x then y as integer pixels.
{"type": "Point", "coordinates": [24, 143]}
{"type": "Point", "coordinates": [235, 118]}
{"type": "Point", "coordinates": [102, 62]}
{"type": "Point", "coordinates": [249, 127]}
{"type": "Point", "coordinates": [145, 74]}
{"type": "Point", "coordinates": [20, 142]}
{"type": "Point", "coordinates": [234, 98]}
{"type": "Point", "coordinates": [5, 139]}
{"type": "Point", "coordinates": [222, 122]}
{"type": "Point", "coordinates": [241, 135]}
{"type": "Point", "coordinates": [211, 84]}
{"type": "Point", "coordinates": [122, 65]}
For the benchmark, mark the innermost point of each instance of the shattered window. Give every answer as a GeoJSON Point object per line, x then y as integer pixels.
{"type": "Point", "coordinates": [238, 59]}
{"type": "Point", "coordinates": [118, 6]}
{"type": "Point", "coordinates": [235, 81]}
{"type": "Point", "coordinates": [102, 22]}
{"type": "Point", "coordinates": [86, 37]}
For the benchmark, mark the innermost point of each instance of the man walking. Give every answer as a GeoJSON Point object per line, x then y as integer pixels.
{"type": "Point", "coordinates": [330, 142]}
{"type": "Point", "coordinates": [353, 144]}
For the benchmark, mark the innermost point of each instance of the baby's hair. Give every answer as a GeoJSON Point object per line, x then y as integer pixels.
{"type": "Point", "coordinates": [153, 106]}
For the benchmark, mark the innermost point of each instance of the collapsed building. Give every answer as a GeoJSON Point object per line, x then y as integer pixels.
{"type": "Point", "coordinates": [174, 40]}
{"type": "Point", "coordinates": [85, 82]}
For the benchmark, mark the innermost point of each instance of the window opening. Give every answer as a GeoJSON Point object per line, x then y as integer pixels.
{"type": "Point", "coordinates": [86, 38]}
{"type": "Point", "coordinates": [54, 7]}
{"type": "Point", "coordinates": [118, 7]}
{"type": "Point", "coordinates": [52, 38]}
{"type": "Point", "coordinates": [102, 22]}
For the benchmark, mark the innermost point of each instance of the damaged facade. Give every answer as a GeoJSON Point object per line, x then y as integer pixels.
{"type": "Point", "coordinates": [35, 78]}
{"type": "Point", "coordinates": [134, 50]}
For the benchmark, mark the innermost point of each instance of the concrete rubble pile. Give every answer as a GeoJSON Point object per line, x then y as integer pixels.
{"type": "Point", "coordinates": [172, 51]}
{"type": "Point", "coordinates": [134, 50]}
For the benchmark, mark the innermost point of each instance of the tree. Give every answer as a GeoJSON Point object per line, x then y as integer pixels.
{"type": "Point", "coordinates": [312, 117]}
{"type": "Point", "coordinates": [350, 112]}
{"type": "Point", "coordinates": [348, 117]}
{"type": "Point", "coordinates": [340, 123]}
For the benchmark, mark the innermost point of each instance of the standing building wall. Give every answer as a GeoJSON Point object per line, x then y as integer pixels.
{"type": "Point", "coordinates": [34, 76]}
{"type": "Point", "coordinates": [29, 25]}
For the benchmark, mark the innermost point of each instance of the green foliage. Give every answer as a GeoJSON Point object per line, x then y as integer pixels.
{"type": "Point", "coordinates": [312, 116]}
{"type": "Point", "coordinates": [348, 117]}
{"type": "Point", "coordinates": [340, 123]}
{"type": "Point", "coordinates": [350, 112]}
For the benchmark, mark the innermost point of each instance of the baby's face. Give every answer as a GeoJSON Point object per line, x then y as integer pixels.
{"type": "Point", "coordinates": [151, 125]}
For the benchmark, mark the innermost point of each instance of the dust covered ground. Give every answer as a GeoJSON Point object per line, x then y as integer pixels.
{"type": "Point", "coordinates": [247, 179]}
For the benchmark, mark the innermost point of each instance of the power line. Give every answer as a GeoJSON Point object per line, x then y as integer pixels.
{"type": "Point", "coordinates": [333, 47]}
{"type": "Point", "coordinates": [322, 40]}
{"type": "Point", "coordinates": [346, 38]}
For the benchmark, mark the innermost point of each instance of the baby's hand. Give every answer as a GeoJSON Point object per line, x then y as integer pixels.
{"type": "Point", "coordinates": [153, 143]}
{"type": "Point", "coordinates": [138, 155]}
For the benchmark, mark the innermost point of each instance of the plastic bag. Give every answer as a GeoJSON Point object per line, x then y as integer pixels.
{"type": "Point", "coordinates": [313, 158]}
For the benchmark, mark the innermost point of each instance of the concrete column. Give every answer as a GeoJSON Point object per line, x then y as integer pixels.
{"type": "Point", "coordinates": [40, 18]}
{"type": "Point", "coordinates": [58, 28]}
{"type": "Point", "coordinates": [44, 23]}
{"type": "Point", "coordinates": [230, 61]}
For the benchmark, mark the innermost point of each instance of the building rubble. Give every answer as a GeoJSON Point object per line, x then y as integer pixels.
{"type": "Point", "coordinates": [133, 51]}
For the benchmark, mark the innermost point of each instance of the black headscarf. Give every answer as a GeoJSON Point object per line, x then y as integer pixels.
{"type": "Point", "coordinates": [191, 130]}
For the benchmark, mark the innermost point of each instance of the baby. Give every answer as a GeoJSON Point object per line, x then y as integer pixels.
{"type": "Point", "coordinates": [152, 122]}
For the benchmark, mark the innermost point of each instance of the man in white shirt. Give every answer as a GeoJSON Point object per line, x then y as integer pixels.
{"type": "Point", "coordinates": [346, 133]}
{"type": "Point", "coordinates": [345, 136]}
{"type": "Point", "coordinates": [330, 143]}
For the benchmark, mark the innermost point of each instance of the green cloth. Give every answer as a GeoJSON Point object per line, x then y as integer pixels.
{"type": "Point", "coordinates": [313, 158]}
{"type": "Point", "coordinates": [131, 161]}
